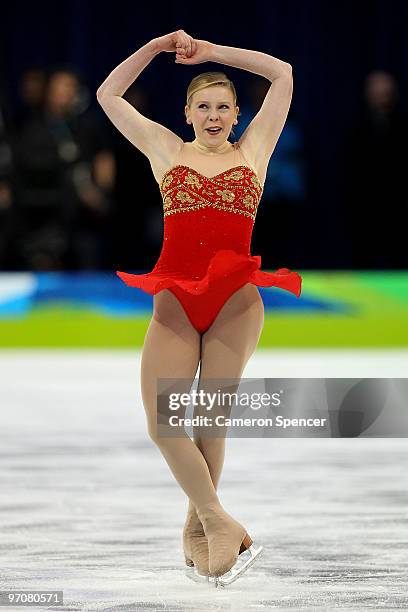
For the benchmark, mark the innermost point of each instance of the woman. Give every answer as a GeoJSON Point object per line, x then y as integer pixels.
{"type": "Point", "coordinates": [207, 308]}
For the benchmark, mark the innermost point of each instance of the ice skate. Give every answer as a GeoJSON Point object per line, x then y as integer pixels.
{"type": "Point", "coordinates": [245, 559]}
{"type": "Point", "coordinates": [231, 550]}
{"type": "Point", "coordinates": [193, 574]}
{"type": "Point", "coordinates": [195, 547]}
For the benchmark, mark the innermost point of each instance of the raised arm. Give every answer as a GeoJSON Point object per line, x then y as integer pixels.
{"type": "Point", "coordinates": [151, 138]}
{"type": "Point", "coordinates": [262, 134]}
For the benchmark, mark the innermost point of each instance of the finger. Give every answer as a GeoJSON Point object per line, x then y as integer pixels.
{"type": "Point", "coordinates": [188, 46]}
{"type": "Point", "coordinates": [181, 58]}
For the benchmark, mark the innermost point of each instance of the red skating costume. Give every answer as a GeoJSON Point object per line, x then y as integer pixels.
{"type": "Point", "coordinates": [205, 257]}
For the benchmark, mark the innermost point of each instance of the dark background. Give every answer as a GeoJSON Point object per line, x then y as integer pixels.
{"type": "Point", "coordinates": [332, 47]}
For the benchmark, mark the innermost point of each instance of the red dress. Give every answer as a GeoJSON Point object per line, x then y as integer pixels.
{"type": "Point", "coordinates": [205, 257]}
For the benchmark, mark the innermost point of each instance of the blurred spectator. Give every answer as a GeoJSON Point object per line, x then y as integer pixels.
{"type": "Point", "coordinates": [6, 195]}
{"type": "Point", "coordinates": [32, 87]}
{"type": "Point", "coordinates": [279, 232]}
{"type": "Point", "coordinates": [64, 175]}
{"type": "Point", "coordinates": [376, 192]}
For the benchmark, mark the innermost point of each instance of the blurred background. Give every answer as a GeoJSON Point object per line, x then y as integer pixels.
{"type": "Point", "coordinates": [78, 201]}
{"type": "Point", "coordinates": [80, 477]}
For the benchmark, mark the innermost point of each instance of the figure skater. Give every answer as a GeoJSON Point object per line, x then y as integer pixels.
{"type": "Point", "coordinates": [207, 310]}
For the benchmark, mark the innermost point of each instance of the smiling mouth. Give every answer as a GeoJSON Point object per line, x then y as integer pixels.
{"type": "Point", "coordinates": [213, 131]}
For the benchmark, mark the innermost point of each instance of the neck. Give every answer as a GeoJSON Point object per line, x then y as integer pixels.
{"type": "Point", "coordinates": [223, 148]}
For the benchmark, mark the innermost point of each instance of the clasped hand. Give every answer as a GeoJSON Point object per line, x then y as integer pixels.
{"type": "Point", "coordinates": [188, 50]}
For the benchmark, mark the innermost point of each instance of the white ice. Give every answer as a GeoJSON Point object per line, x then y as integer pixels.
{"type": "Point", "coordinates": [89, 506]}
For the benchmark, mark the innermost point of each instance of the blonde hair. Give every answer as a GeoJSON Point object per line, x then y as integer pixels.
{"type": "Point", "coordinates": [207, 79]}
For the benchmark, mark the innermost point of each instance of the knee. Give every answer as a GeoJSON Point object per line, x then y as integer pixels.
{"type": "Point", "coordinates": [153, 435]}
{"type": "Point", "coordinates": [156, 433]}
{"type": "Point", "coordinates": [207, 443]}
{"type": "Point", "coordinates": [161, 437]}
{"type": "Point", "coordinates": [158, 440]}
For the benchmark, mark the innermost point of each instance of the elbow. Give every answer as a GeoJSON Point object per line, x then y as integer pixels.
{"type": "Point", "coordinates": [289, 75]}
{"type": "Point", "coordinates": [285, 72]}
{"type": "Point", "coordinates": [99, 94]}
{"type": "Point", "coordinates": [288, 69]}
{"type": "Point", "coordinates": [102, 95]}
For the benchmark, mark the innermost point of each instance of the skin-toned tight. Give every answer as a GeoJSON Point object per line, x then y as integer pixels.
{"type": "Point", "coordinates": [174, 349]}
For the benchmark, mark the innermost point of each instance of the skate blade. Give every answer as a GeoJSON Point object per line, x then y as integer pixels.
{"type": "Point", "coordinates": [192, 574]}
{"type": "Point", "coordinates": [244, 561]}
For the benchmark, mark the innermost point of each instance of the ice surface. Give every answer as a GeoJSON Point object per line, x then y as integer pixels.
{"type": "Point", "coordinates": [89, 506]}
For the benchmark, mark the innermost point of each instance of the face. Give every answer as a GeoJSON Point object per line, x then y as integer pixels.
{"type": "Point", "coordinates": [32, 86]}
{"type": "Point", "coordinates": [380, 89]}
{"type": "Point", "coordinates": [212, 107]}
{"type": "Point", "coordinates": [62, 90]}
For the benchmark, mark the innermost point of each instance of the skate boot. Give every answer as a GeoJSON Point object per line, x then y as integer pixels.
{"type": "Point", "coordinates": [231, 550]}
{"type": "Point", "coordinates": [195, 547]}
